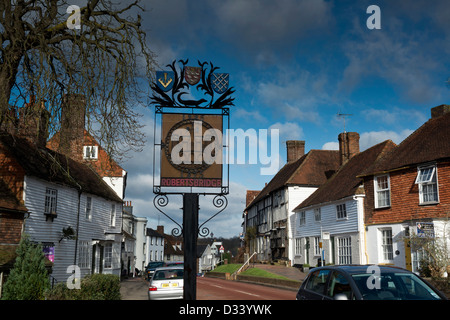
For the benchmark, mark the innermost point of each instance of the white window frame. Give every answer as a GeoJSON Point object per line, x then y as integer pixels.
{"type": "Point", "coordinates": [107, 256]}
{"type": "Point", "coordinates": [387, 245]}
{"type": "Point", "coordinates": [426, 181]}
{"type": "Point", "coordinates": [298, 246]}
{"type": "Point", "coordinates": [112, 222]}
{"type": "Point", "coordinates": [90, 152]}
{"type": "Point", "coordinates": [85, 254]}
{"type": "Point", "coordinates": [317, 215]}
{"type": "Point", "coordinates": [317, 246]}
{"type": "Point", "coordinates": [88, 208]}
{"type": "Point", "coordinates": [51, 200]}
{"type": "Point", "coordinates": [302, 218]}
{"type": "Point", "coordinates": [341, 212]}
{"type": "Point", "coordinates": [385, 191]}
{"type": "Point", "coordinates": [344, 250]}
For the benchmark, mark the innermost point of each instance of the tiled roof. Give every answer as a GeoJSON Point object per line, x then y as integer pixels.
{"type": "Point", "coordinates": [428, 143]}
{"type": "Point", "coordinates": [312, 169]}
{"type": "Point", "coordinates": [57, 168]}
{"type": "Point", "coordinates": [8, 200]}
{"type": "Point", "coordinates": [345, 182]}
{"type": "Point", "coordinates": [251, 194]}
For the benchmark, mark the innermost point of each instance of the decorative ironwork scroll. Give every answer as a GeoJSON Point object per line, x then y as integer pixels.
{"type": "Point", "coordinates": [160, 201]}
{"type": "Point", "coordinates": [220, 202]}
{"type": "Point", "coordinates": [171, 86]}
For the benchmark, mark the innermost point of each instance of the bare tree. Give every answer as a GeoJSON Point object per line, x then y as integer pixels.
{"type": "Point", "coordinates": [45, 53]}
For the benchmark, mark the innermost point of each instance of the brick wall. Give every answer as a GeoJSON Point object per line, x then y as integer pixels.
{"type": "Point", "coordinates": [10, 227]}
{"type": "Point", "coordinates": [11, 172]}
{"type": "Point", "coordinates": [405, 198]}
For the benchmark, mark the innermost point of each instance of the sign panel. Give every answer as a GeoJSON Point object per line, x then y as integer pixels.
{"type": "Point", "coordinates": [191, 150]}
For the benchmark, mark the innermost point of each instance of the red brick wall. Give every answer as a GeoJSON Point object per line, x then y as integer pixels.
{"type": "Point", "coordinates": [11, 172]}
{"type": "Point", "coordinates": [10, 228]}
{"type": "Point", "coordinates": [405, 198]}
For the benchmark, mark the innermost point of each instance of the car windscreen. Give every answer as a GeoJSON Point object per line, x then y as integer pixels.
{"type": "Point", "coordinates": [168, 274]}
{"type": "Point", "coordinates": [393, 286]}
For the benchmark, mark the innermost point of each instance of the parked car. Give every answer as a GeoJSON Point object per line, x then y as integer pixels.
{"type": "Point", "coordinates": [366, 282]}
{"type": "Point", "coordinates": [151, 267]}
{"type": "Point", "coordinates": [166, 283]}
{"type": "Point", "coordinates": [174, 263]}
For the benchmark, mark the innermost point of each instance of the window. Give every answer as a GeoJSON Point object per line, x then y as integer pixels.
{"type": "Point", "coordinates": [302, 218]}
{"type": "Point", "coordinates": [427, 181]}
{"type": "Point", "coordinates": [317, 281]}
{"type": "Point", "coordinates": [317, 246]}
{"type": "Point", "coordinates": [317, 215]}
{"type": "Point", "coordinates": [341, 211]}
{"type": "Point", "coordinates": [339, 285]}
{"type": "Point", "coordinates": [298, 246]}
{"type": "Point", "coordinates": [50, 201]}
{"type": "Point", "coordinates": [108, 255]}
{"type": "Point", "coordinates": [382, 191]}
{"type": "Point", "coordinates": [113, 216]}
{"type": "Point", "coordinates": [345, 250]}
{"type": "Point", "coordinates": [88, 208]}
{"type": "Point", "coordinates": [386, 245]}
{"type": "Point", "coordinates": [85, 253]}
{"type": "Point", "coordinates": [90, 152]}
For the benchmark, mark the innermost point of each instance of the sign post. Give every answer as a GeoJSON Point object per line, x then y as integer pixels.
{"type": "Point", "coordinates": [190, 224]}
{"type": "Point", "coordinates": [188, 150]}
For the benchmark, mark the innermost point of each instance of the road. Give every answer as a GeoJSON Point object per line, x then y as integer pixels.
{"type": "Point", "coordinates": [212, 289]}
{"type": "Point", "coordinates": [219, 289]}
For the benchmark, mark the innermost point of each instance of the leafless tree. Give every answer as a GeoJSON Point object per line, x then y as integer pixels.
{"type": "Point", "coordinates": [45, 55]}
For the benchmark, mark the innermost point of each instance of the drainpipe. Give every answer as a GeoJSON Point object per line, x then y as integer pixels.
{"type": "Point", "coordinates": [78, 224]}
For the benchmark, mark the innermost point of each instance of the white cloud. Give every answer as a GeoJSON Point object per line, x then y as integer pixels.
{"type": "Point", "coordinates": [369, 139]}
{"type": "Point", "coordinates": [331, 146]}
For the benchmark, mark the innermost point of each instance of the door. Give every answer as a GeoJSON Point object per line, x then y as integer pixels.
{"type": "Point", "coordinates": [408, 254]}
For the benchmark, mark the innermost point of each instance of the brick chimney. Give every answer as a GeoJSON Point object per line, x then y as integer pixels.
{"type": "Point", "coordinates": [33, 122]}
{"type": "Point", "coordinates": [295, 150]}
{"type": "Point", "coordinates": [73, 112]}
{"type": "Point", "coordinates": [348, 146]}
{"type": "Point", "coordinates": [440, 110]}
{"type": "Point", "coordinates": [160, 229]}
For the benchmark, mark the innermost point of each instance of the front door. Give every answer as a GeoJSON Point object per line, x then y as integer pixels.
{"type": "Point", "coordinates": [408, 254]}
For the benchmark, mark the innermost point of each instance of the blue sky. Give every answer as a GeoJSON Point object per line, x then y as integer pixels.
{"type": "Point", "coordinates": [294, 65]}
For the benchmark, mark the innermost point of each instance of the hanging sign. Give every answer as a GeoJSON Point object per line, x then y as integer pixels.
{"type": "Point", "coordinates": [191, 150]}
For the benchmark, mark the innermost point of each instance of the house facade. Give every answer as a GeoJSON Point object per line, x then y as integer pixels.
{"type": "Point", "coordinates": [269, 217]}
{"type": "Point", "coordinates": [329, 225]}
{"type": "Point", "coordinates": [155, 245]}
{"type": "Point", "coordinates": [408, 196]}
{"type": "Point", "coordinates": [71, 210]}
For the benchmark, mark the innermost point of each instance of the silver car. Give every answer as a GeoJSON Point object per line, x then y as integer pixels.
{"type": "Point", "coordinates": [166, 283]}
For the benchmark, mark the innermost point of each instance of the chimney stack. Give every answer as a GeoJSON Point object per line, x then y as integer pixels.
{"type": "Point", "coordinates": [295, 150]}
{"type": "Point", "coordinates": [160, 229]}
{"type": "Point", "coordinates": [440, 110]}
{"type": "Point", "coordinates": [33, 122]}
{"type": "Point", "coordinates": [348, 146]}
{"type": "Point", "coordinates": [73, 112]}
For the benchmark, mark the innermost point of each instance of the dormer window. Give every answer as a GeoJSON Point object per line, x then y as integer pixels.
{"type": "Point", "coordinates": [90, 152]}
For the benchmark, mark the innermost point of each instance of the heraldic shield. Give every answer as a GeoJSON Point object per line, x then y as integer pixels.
{"type": "Point", "coordinates": [192, 75]}
{"type": "Point", "coordinates": [220, 82]}
{"type": "Point", "coordinates": [165, 80]}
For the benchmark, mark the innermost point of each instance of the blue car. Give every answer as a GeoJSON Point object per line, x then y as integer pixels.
{"type": "Point", "coordinates": [366, 282]}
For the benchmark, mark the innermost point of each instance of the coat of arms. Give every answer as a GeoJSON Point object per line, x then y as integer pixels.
{"type": "Point", "coordinates": [219, 82]}
{"type": "Point", "coordinates": [192, 75]}
{"type": "Point", "coordinates": [165, 80]}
